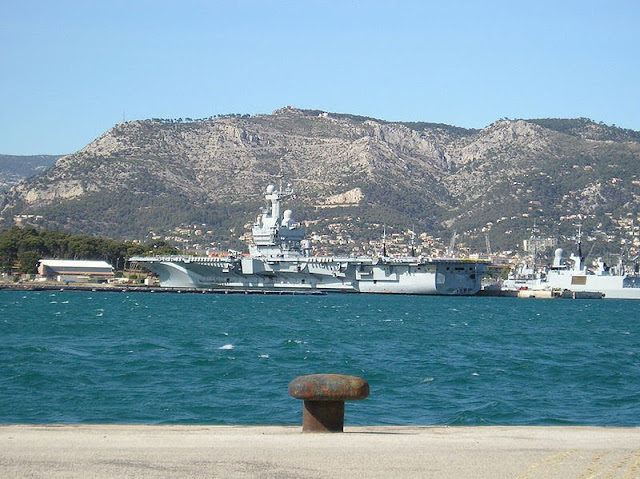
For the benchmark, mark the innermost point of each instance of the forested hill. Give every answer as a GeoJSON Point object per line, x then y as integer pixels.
{"type": "Point", "coordinates": [353, 176]}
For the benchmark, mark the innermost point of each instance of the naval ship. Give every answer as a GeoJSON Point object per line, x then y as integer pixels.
{"type": "Point", "coordinates": [613, 282]}
{"type": "Point", "coordinates": [280, 259]}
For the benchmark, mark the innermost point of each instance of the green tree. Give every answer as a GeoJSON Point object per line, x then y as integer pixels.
{"type": "Point", "coordinates": [28, 262]}
{"type": "Point", "coordinates": [26, 246]}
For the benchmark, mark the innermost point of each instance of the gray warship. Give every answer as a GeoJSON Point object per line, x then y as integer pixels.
{"type": "Point", "coordinates": [280, 260]}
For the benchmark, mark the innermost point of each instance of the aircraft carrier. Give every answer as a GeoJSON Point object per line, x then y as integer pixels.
{"type": "Point", "coordinates": [280, 259]}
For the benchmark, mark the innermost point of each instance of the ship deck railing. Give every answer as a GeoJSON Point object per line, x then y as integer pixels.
{"type": "Point", "coordinates": [309, 259]}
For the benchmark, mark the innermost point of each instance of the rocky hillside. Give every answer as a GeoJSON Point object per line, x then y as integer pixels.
{"type": "Point", "coordinates": [13, 168]}
{"type": "Point", "coordinates": [352, 175]}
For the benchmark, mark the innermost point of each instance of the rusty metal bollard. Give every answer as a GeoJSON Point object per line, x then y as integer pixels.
{"type": "Point", "coordinates": [324, 396]}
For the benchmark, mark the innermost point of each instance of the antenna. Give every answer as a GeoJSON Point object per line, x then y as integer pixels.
{"type": "Point", "coordinates": [579, 242]}
{"type": "Point", "coordinates": [281, 172]}
{"type": "Point", "coordinates": [384, 241]}
{"type": "Point", "coordinates": [534, 243]}
{"type": "Point", "coordinates": [413, 245]}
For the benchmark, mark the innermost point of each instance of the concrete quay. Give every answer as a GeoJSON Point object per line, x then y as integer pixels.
{"type": "Point", "coordinates": [109, 451]}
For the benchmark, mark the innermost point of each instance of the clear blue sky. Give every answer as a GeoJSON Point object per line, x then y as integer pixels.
{"type": "Point", "coordinates": [72, 69]}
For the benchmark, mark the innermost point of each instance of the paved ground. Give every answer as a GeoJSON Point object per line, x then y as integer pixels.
{"type": "Point", "coordinates": [105, 451]}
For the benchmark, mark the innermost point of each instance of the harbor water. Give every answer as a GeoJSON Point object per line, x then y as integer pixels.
{"type": "Point", "coordinates": [160, 358]}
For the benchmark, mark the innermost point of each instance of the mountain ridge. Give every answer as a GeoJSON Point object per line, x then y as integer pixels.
{"type": "Point", "coordinates": [153, 176]}
{"type": "Point", "coordinates": [15, 168]}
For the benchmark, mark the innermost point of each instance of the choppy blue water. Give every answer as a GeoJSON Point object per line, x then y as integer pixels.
{"type": "Point", "coordinates": [81, 357]}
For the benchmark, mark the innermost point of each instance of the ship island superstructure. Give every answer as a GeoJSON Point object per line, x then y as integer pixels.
{"type": "Point", "coordinates": [280, 259]}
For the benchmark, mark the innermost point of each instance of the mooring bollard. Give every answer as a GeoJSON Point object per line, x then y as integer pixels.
{"type": "Point", "coordinates": [324, 396]}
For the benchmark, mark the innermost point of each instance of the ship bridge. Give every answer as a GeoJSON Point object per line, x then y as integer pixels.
{"type": "Point", "coordinates": [275, 233]}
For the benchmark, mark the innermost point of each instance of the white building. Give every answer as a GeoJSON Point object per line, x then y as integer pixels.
{"type": "Point", "coordinates": [72, 270]}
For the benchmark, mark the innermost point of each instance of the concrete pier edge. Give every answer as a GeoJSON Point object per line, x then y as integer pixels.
{"type": "Point", "coordinates": [107, 451]}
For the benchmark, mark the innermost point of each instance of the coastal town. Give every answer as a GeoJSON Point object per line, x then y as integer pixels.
{"type": "Point", "coordinates": [622, 235]}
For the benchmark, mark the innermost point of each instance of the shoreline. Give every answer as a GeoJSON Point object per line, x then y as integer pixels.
{"type": "Point", "coordinates": [127, 288]}
{"type": "Point", "coordinates": [105, 451]}
{"type": "Point", "coordinates": [102, 288]}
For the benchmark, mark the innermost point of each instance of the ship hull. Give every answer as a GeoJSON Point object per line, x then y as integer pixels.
{"type": "Point", "coordinates": [612, 287]}
{"type": "Point", "coordinates": [609, 286]}
{"type": "Point", "coordinates": [319, 274]}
